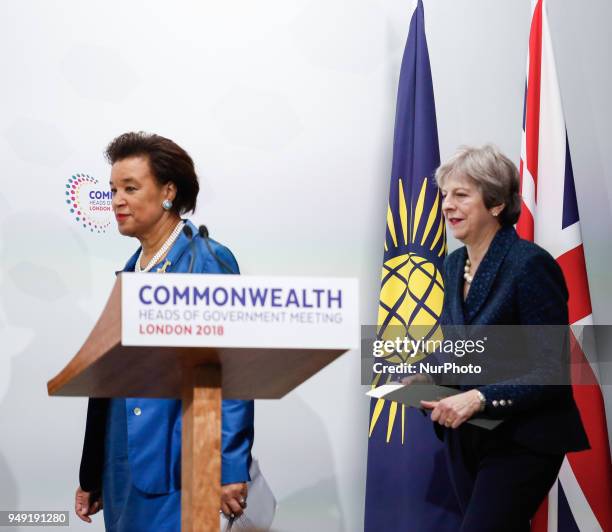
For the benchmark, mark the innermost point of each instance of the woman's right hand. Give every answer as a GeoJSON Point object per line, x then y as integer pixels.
{"type": "Point", "coordinates": [87, 503]}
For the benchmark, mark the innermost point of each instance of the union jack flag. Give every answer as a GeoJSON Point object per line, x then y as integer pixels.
{"type": "Point", "coordinates": [581, 497]}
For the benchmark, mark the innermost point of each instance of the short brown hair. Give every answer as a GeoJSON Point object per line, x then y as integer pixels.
{"type": "Point", "coordinates": [168, 162]}
{"type": "Point", "coordinates": [495, 175]}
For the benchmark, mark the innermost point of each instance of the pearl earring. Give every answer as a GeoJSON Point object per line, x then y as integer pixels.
{"type": "Point", "coordinates": [167, 204]}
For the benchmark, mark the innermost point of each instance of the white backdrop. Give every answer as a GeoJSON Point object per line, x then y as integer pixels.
{"type": "Point", "coordinates": [287, 109]}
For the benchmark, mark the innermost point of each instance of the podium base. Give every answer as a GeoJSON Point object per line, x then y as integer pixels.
{"type": "Point", "coordinates": [201, 451]}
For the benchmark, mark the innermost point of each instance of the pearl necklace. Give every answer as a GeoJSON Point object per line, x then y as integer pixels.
{"type": "Point", "coordinates": [162, 250]}
{"type": "Point", "coordinates": [466, 272]}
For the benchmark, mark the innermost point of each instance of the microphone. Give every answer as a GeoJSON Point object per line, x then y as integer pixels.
{"type": "Point", "coordinates": [203, 233]}
{"type": "Point", "coordinates": [189, 234]}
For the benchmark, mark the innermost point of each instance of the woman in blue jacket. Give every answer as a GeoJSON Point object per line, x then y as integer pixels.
{"type": "Point", "coordinates": [131, 459]}
{"type": "Point", "coordinates": [501, 476]}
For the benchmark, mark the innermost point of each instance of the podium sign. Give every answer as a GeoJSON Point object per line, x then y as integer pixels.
{"type": "Point", "coordinates": [191, 310]}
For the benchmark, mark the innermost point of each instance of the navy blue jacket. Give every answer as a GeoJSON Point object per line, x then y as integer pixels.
{"type": "Point", "coordinates": [154, 439]}
{"type": "Point", "coordinates": [519, 283]}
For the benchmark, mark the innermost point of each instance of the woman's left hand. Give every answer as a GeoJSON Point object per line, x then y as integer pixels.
{"type": "Point", "coordinates": [233, 499]}
{"type": "Point", "coordinates": [454, 410]}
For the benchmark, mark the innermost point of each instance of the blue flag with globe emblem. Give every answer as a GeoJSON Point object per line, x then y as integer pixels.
{"type": "Point", "coordinates": [408, 487]}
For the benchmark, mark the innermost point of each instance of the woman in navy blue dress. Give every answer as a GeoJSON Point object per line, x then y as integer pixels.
{"type": "Point", "coordinates": [131, 459]}
{"type": "Point", "coordinates": [501, 476]}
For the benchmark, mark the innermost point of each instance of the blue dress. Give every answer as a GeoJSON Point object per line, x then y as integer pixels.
{"type": "Point", "coordinates": [136, 460]}
{"type": "Point", "coordinates": [126, 508]}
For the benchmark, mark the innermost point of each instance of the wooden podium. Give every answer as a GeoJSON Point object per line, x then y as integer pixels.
{"type": "Point", "coordinates": [201, 377]}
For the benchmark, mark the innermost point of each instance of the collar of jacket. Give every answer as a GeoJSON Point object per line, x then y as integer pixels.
{"type": "Point", "coordinates": [483, 280]}
{"type": "Point", "coordinates": [176, 251]}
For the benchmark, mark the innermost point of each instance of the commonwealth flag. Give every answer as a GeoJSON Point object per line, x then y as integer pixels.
{"type": "Point", "coordinates": [408, 487]}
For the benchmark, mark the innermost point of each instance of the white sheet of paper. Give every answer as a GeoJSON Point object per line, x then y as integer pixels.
{"type": "Point", "coordinates": [383, 390]}
{"type": "Point", "coordinates": [261, 506]}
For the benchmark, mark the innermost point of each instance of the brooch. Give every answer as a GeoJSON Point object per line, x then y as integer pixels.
{"type": "Point", "coordinates": [164, 267]}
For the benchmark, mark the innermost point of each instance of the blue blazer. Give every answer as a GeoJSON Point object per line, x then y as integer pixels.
{"type": "Point", "coordinates": [519, 283]}
{"type": "Point", "coordinates": [154, 437]}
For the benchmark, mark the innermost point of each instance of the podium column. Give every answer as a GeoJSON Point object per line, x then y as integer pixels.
{"type": "Point", "coordinates": [201, 449]}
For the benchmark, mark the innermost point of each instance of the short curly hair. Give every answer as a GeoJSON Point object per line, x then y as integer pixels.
{"type": "Point", "coordinates": [168, 162]}
{"type": "Point", "coordinates": [495, 175]}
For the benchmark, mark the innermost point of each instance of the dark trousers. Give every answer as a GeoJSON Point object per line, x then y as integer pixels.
{"type": "Point", "coordinates": [499, 484]}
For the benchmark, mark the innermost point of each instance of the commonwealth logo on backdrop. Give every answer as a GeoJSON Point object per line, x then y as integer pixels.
{"type": "Point", "coordinates": [88, 203]}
